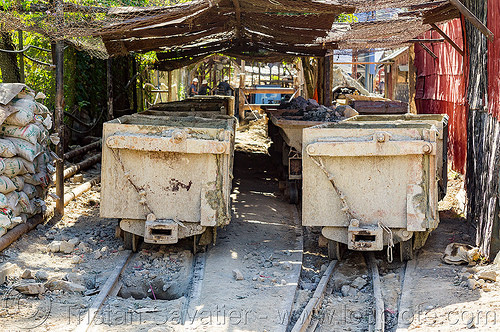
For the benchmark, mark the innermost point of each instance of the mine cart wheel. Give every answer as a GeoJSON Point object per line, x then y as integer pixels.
{"type": "Point", "coordinates": [335, 250]}
{"type": "Point", "coordinates": [293, 192]}
{"type": "Point", "coordinates": [131, 241]}
{"type": "Point", "coordinates": [406, 250]}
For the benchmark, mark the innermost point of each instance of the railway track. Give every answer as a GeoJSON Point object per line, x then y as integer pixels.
{"type": "Point", "coordinates": [112, 287]}
{"type": "Point", "coordinates": [384, 315]}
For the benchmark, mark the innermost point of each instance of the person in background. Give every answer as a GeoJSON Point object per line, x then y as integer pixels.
{"type": "Point", "coordinates": [193, 89]}
{"type": "Point", "coordinates": [204, 89]}
{"type": "Point", "coordinates": [224, 88]}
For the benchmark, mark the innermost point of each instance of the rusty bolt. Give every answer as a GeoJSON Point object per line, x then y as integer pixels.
{"type": "Point", "coordinates": [427, 148]}
{"type": "Point", "coordinates": [406, 233]}
{"type": "Point", "coordinates": [355, 223]}
{"type": "Point", "coordinates": [380, 137]}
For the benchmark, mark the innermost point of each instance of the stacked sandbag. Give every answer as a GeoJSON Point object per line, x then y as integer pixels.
{"type": "Point", "coordinates": [25, 158]}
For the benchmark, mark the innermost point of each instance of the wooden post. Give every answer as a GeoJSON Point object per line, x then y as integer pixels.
{"type": "Point", "coordinates": [109, 87]}
{"type": "Point", "coordinates": [355, 64]}
{"type": "Point", "coordinates": [327, 99]}
{"type": "Point", "coordinates": [259, 74]}
{"type": "Point", "coordinates": [141, 93]}
{"type": "Point", "coordinates": [59, 114]}
{"type": "Point", "coordinates": [320, 83]}
{"type": "Point", "coordinates": [412, 80]}
{"type": "Point", "coordinates": [134, 84]}
{"type": "Point", "coordinates": [241, 96]}
{"type": "Point", "coordinates": [21, 56]}
{"type": "Point", "coordinates": [170, 92]}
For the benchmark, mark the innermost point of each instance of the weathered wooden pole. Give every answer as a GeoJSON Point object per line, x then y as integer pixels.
{"type": "Point", "coordinates": [320, 83]}
{"type": "Point", "coordinates": [134, 84]}
{"type": "Point", "coordinates": [21, 56]}
{"type": "Point", "coordinates": [170, 92]}
{"type": "Point", "coordinates": [59, 114]}
{"type": "Point", "coordinates": [412, 80]}
{"type": "Point", "coordinates": [109, 88]}
{"type": "Point", "coordinates": [327, 99]}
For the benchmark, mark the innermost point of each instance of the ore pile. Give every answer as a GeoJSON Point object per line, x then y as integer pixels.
{"type": "Point", "coordinates": [25, 158]}
{"type": "Point", "coordinates": [310, 110]}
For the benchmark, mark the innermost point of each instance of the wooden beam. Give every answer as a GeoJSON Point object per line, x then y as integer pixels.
{"type": "Point", "coordinates": [363, 63]}
{"type": "Point", "coordinates": [428, 50]}
{"type": "Point", "coordinates": [473, 19]}
{"type": "Point", "coordinates": [237, 13]}
{"type": "Point", "coordinates": [448, 39]}
{"type": "Point", "coordinates": [426, 40]}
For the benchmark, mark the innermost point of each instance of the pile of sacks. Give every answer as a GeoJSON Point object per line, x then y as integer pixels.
{"type": "Point", "coordinates": [25, 159]}
{"type": "Point", "coordinates": [310, 110]}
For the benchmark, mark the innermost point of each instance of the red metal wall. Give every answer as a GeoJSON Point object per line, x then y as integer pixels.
{"type": "Point", "coordinates": [494, 59]}
{"type": "Point", "coordinates": [441, 88]}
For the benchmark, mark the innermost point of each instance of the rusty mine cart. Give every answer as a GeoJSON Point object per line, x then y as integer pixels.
{"type": "Point", "coordinates": [375, 181]}
{"type": "Point", "coordinates": [167, 176]}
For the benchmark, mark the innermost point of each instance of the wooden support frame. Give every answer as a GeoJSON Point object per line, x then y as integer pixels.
{"type": "Point", "coordinates": [428, 50]}
{"type": "Point", "coordinates": [448, 39]}
{"type": "Point", "coordinates": [473, 19]}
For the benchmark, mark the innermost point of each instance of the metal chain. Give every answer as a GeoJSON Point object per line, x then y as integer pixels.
{"type": "Point", "coordinates": [391, 241]}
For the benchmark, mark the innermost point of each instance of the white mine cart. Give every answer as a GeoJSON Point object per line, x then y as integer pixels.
{"type": "Point", "coordinates": [371, 182]}
{"type": "Point", "coordinates": [167, 177]}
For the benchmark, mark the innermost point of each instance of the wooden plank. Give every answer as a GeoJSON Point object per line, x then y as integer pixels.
{"type": "Point", "coordinates": [448, 39]}
{"type": "Point", "coordinates": [406, 310]}
{"type": "Point", "coordinates": [377, 293]}
{"type": "Point", "coordinates": [305, 317]}
{"type": "Point", "coordinates": [105, 290]}
{"type": "Point", "coordinates": [473, 19]}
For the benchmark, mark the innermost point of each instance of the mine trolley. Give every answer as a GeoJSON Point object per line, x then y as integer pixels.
{"type": "Point", "coordinates": [167, 175]}
{"type": "Point", "coordinates": [372, 181]}
{"type": "Point", "coordinates": [224, 105]}
{"type": "Point", "coordinates": [286, 134]}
